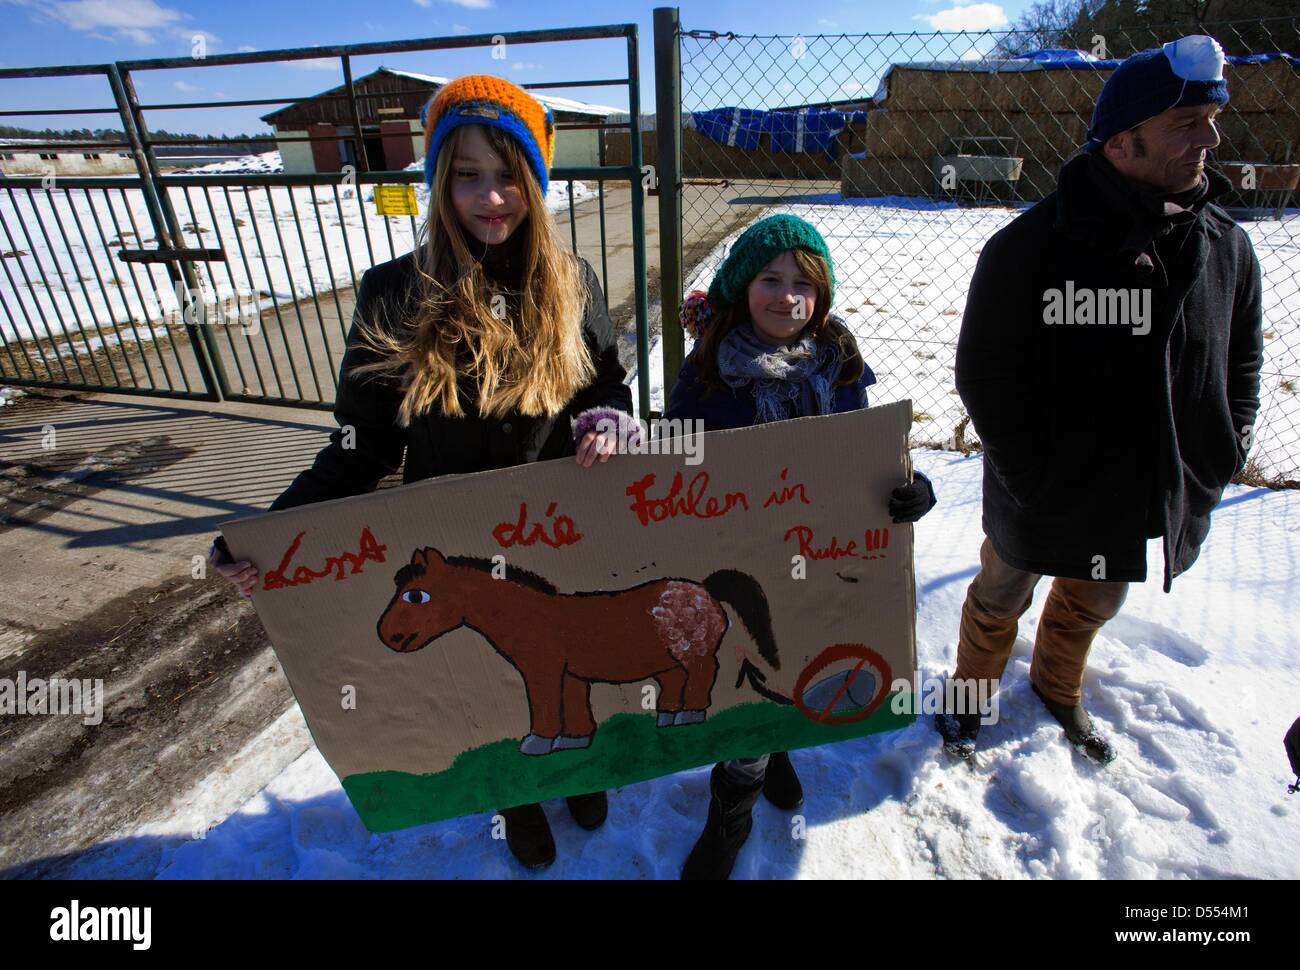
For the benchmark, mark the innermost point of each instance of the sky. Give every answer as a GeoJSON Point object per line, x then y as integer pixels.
{"type": "Point", "coordinates": [50, 32]}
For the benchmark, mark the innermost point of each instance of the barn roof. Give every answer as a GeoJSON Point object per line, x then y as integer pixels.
{"type": "Point", "coordinates": [433, 82]}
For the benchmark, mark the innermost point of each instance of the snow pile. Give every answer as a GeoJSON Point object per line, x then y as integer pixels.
{"type": "Point", "coordinates": [10, 394]}
{"type": "Point", "coordinates": [1197, 688]}
{"type": "Point", "coordinates": [263, 164]}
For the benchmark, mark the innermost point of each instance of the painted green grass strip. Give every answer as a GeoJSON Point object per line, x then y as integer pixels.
{"type": "Point", "coordinates": [627, 748]}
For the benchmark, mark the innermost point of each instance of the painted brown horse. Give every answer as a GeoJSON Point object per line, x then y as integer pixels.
{"type": "Point", "coordinates": [668, 630]}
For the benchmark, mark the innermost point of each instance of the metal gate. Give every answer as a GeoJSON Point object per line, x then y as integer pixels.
{"type": "Point", "coordinates": [235, 286]}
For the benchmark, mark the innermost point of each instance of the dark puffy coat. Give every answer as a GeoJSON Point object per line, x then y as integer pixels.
{"type": "Point", "coordinates": [1097, 438]}
{"type": "Point", "coordinates": [733, 407]}
{"type": "Point", "coordinates": [436, 444]}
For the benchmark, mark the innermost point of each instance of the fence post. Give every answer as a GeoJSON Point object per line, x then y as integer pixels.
{"type": "Point", "coordinates": [668, 152]}
{"type": "Point", "coordinates": [638, 228]}
{"type": "Point", "coordinates": [165, 226]}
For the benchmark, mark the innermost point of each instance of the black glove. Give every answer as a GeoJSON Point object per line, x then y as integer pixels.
{"type": "Point", "coordinates": [1292, 743]}
{"type": "Point", "coordinates": [909, 502]}
{"type": "Point", "coordinates": [220, 550]}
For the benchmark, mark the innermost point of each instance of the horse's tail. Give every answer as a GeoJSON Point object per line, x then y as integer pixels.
{"type": "Point", "coordinates": [747, 598]}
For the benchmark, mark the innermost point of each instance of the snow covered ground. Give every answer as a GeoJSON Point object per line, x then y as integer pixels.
{"type": "Point", "coordinates": [59, 247]}
{"type": "Point", "coordinates": [1197, 687]}
{"type": "Point", "coordinates": [903, 267]}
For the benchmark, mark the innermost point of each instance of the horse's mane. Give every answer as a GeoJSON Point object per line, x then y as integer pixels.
{"type": "Point", "coordinates": [513, 573]}
{"type": "Point", "coordinates": [412, 570]}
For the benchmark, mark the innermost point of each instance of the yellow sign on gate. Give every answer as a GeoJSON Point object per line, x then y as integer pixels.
{"type": "Point", "coordinates": [395, 200]}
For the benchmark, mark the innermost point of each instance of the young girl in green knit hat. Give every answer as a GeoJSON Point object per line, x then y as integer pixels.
{"type": "Point", "coordinates": [768, 348]}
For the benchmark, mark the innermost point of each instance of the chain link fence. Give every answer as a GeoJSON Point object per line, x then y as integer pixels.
{"type": "Point", "coordinates": [908, 151]}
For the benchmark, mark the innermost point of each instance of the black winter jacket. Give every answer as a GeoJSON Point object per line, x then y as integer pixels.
{"type": "Point", "coordinates": [436, 444]}
{"type": "Point", "coordinates": [1097, 438]}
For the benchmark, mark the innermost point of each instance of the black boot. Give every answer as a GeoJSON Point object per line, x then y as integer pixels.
{"type": "Point", "coordinates": [528, 835]}
{"type": "Point", "coordinates": [726, 829]}
{"type": "Point", "coordinates": [589, 811]}
{"type": "Point", "coordinates": [1079, 728]}
{"type": "Point", "coordinates": [959, 732]}
{"type": "Point", "coordinates": [781, 784]}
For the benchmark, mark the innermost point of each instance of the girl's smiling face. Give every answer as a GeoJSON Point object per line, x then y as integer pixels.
{"type": "Point", "coordinates": [781, 301]}
{"type": "Point", "coordinates": [484, 193]}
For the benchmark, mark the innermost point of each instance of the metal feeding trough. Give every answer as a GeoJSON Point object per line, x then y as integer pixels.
{"type": "Point", "coordinates": [978, 169]}
{"type": "Point", "coordinates": [1273, 183]}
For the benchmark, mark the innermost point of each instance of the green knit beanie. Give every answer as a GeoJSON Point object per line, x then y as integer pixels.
{"type": "Point", "coordinates": [759, 245]}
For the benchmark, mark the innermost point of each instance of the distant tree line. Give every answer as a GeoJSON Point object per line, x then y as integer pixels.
{"type": "Point", "coordinates": [1127, 26]}
{"type": "Point", "coordinates": [203, 144]}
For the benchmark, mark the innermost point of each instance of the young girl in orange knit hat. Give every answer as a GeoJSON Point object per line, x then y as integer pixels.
{"type": "Point", "coordinates": [488, 346]}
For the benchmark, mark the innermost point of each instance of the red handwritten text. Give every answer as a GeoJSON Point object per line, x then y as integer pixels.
{"type": "Point", "coordinates": [518, 533]}
{"type": "Point", "coordinates": [369, 550]}
{"type": "Point", "coordinates": [787, 493]}
{"type": "Point", "coordinates": [874, 543]}
{"type": "Point", "coordinates": [693, 503]}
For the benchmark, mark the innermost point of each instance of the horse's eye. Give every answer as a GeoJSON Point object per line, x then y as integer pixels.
{"type": "Point", "coordinates": [417, 596]}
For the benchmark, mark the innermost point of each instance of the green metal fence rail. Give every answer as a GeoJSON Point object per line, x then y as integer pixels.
{"type": "Point", "coordinates": [234, 286]}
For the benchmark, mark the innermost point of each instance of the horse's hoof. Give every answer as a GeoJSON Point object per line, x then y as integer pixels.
{"type": "Point", "coordinates": [665, 719]}
{"type": "Point", "coordinates": [566, 742]}
{"type": "Point", "coordinates": [536, 744]}
{"type": "Point", "coordinates": [688, 717]}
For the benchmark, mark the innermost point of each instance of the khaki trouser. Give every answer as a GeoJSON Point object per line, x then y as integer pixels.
{"type": "Point", "coordinates": [1075, 610]}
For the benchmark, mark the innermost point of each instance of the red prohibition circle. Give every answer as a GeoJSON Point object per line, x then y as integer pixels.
{"type": "Point", "coordinates": [834, 654]}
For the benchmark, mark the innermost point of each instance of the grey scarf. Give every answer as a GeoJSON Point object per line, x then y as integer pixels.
{"type": "Point", "coordinates": [787, 382]}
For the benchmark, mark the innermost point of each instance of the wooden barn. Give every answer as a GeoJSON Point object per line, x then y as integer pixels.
{"type": "Point", "coordinates": [388, 104]}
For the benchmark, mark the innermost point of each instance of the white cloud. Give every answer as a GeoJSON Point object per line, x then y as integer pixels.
{"type": "Point", "coordinates": [459, 29]}
{"type": "Point", "coordinates": [521, 66]}
{"type": "Point", "coordinates": [315, 64]}
{"type": "Point", "coordinates": [141, 22]}
{"type": "Point", "coordinates": [823, 22]}
{"type": "Point", "coordinates": [423, 3]}
{"type": "Point", "coordinates": [190, 35]}
{"type": "Point", "coordinates": [246, 48]}
{"type": "Point", "coordinates": [129, 19]}
{"type": "Point", "coordinates": [184, 86]}
{"type": "Point", "coordinates": [471, 4]}
{"type": "Point", "coordinates": [855, 89]}
{"type": "Point", "coordinates": [975, 16]}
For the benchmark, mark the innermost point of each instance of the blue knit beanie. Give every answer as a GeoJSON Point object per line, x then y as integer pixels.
{"type": "Point", "coordinates": [481, 99]}
{"type": "Point", "coordinates": [759, 245]}
{"type": "Point", "coordinates": [1181, 74]}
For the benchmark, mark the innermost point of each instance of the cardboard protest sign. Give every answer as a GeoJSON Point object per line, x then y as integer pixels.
{"type": "Point", "coordinates": [479, 641]}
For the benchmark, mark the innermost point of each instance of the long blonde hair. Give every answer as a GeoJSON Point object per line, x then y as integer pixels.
{"type": "Point", "coordinates": [532, 361]}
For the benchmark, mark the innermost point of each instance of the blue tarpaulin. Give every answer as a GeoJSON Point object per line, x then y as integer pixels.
{"type": "Point", "coordinates": [807, 130]}
{"type": "Point", "coordinates": [738, 127]}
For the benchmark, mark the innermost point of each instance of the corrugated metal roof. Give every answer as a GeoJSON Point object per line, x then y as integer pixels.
{"type": "Point", "coordinates": [550, 100]}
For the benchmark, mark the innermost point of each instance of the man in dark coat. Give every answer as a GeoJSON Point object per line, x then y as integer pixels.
{"type": "Point", "coordinates": [1109, 359]}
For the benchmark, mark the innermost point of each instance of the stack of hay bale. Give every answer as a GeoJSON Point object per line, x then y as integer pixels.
{"type": "Point", "coordinates": [1046, 113]}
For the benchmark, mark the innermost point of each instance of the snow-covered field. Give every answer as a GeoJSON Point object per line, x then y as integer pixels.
{"type": "Point", "coordinates": [59, 271]}
{"type": "Point", "coordinates": [1197, 688]}
{"type": "Point", "coordinates": [903, 267]}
